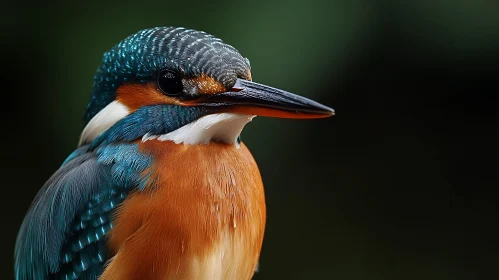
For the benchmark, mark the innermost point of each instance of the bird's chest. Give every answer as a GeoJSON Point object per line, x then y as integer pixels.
{"type": "Point", "coordinates": [202, 216]}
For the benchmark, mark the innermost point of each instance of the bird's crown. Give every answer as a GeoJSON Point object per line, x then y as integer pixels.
{"type": "Point", "coordinates": [204, 62]}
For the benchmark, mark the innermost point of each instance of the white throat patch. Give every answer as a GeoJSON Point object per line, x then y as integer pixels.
{"type": "Point", "coordinates": [101, 122]}
{"type": "Point", "coordinates": [223, 127]}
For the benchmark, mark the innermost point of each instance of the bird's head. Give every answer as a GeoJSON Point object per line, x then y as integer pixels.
{"type": "Point", "coordinates": [182, 85]}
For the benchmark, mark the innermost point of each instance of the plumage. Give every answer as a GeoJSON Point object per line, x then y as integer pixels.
{"type": "Point", "coordinates": [160, 186]}
{"type": "Point", "coordinates": [213, 209]}
{"type": "Point", "coordinates": [107, 117]}
{"type": "Point", "coordinates": [152, 120]}
{"type": "Point", "coordinates": [223, 127]}
{"type": "Point", "coordinates": [63, 234]}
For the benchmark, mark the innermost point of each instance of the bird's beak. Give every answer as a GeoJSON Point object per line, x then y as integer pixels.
{"type": "Point", "coordinates": [251, 98]}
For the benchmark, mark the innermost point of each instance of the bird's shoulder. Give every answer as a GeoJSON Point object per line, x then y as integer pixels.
{"type": "Point", "coordinates": [63, 233]}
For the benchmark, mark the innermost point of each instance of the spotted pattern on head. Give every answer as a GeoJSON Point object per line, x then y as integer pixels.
{"type": "Point", "coordinates": [201, 58]}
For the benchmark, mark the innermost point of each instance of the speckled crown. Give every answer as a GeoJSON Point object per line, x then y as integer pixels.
{"type": "Point", "coordinates": [140, 57]}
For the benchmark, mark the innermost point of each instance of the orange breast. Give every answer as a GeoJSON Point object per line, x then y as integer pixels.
{"type": "Point", "coordinates": [201, 217]}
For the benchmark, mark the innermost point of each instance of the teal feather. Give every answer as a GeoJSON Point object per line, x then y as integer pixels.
{"type": "Point", "coordinates": [63, 234]}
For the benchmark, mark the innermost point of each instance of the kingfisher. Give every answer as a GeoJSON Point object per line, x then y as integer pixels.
{"type": "Point", "coordinates": [160, 186]}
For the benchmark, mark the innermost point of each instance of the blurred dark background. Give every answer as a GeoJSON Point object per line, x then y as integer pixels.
{"type": "Point", "coordinates": [400, 184]}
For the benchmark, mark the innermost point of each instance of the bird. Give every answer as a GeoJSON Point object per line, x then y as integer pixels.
{"type": "Point", "coordinates": [161, 185]}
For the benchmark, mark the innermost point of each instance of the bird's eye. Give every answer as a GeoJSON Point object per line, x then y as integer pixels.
{"type": "Point", "coordinates": [170, 83]}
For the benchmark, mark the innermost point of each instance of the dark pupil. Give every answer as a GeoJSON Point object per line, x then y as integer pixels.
{"type": "Point", "coordinates": [169, 82]}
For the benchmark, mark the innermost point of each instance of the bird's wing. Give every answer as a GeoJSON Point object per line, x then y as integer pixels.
{"type": "Point", "coordinates": [63, 233]}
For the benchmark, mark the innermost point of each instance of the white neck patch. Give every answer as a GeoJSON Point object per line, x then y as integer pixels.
{"type": "Point", "coordinates": [223, 127]}
{"type": "Point", "coordinates": [101, 122]}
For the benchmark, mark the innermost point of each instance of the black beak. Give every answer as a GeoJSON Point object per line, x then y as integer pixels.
{"type": "Point", "coordinates": [251, 98]}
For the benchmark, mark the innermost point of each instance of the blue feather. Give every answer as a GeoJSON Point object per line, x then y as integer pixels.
{"type": "Point", "coordinates": [76, 153]}
{"type": "Point", "coordinates": [63, 234]}
{"type": "Point", "coordinates": [153, 120]}
{"type": "Point", "coordinates": [126, 163]}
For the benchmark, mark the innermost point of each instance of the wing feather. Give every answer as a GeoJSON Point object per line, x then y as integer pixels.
{"type": "Point", "coordinates": [63, 233]}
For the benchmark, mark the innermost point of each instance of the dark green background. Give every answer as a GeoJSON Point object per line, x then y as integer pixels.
{"type": "Point", "coordinates": [401, 184]}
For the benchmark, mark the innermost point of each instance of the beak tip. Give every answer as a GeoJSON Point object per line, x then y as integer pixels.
{"type": "Point", "coordinates": [327, 111]}
{"type": "Point", "coordinates": [331, 112]}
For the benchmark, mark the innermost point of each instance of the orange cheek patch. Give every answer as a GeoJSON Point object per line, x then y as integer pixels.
{"type": "Point", "coordinates": [206, 85]}
{"type": "Point", "coordinates": [135, 96]}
